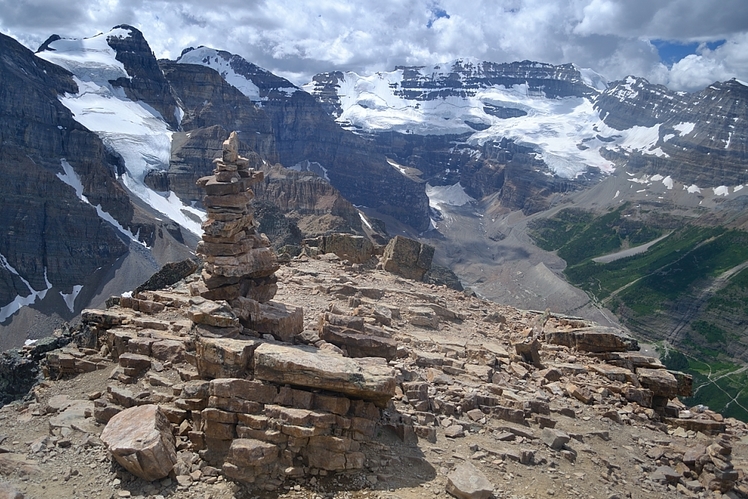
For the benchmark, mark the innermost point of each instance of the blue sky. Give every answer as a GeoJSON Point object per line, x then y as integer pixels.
{"type": "Point", "coordinates": [672, 52]}
{"type": "Point", "coordinates": [685, 44]}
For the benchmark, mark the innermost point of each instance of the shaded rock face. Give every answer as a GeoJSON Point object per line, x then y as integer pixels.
{"type": "Point", "coordinates": [309, 201]}
{"type": "Point", "coordinates": [703, 133]}
{"type": "Point", "coordinates": [209, 101]}
{"type": "Point", "coordinates": [47, 233]}
{"type": "Point", "coordinates": [407, 257]}
{"type": "Point", "coordinates": [304, 132]}
{"type": "Point", "coordinates": [495, 167]}
{"type": "Point", "coordinates": [192, 155]}
{"type": "Point", "coordinates": [146, 82]}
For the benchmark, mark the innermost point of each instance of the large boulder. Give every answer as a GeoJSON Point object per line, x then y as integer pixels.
{"type": "Point", "coordinates": [407, 257]}
{"type": "Point", "coordinates": [369, 379]}
{"type": "Point", "coordinates": [140, 439]}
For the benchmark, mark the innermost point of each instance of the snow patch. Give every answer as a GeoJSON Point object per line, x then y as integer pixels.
{"type": "Point", "coordinates": [722, 190]}
{"type": "Point", "coordinates": [397, 166]}
{"type": "Point", "coordinates": [693, 189]}
{"type": "Point", "coordinates": [205, 56]}
{"type": "Point", "coordinates": [21, 301]}
{"type": "Point", "coordinates": [668, 182]}
{"type": "Point", "coordinates": [311, 166]}
{"type": "Point", "coordinates": [365, 221]}
{"type": "Point", "coordinates": [684, 128]}
{"type": "Point", "coordinates": [69, 298]}
{"type": "Point", "coordinates": [450, 195]}
{"type": "Point", "coordinates": [738, 188]}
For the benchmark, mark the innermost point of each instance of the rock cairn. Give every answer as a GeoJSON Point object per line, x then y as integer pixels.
{"type": "Point", "coordinates": [239, 262]}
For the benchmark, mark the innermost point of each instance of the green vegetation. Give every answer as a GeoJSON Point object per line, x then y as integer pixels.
{"type": "Point", "coordinates": [667, 281]}
{"type": "Point", "coordinates": [577, 235]}
{"type": "Point", "coordinates": [722, 386]}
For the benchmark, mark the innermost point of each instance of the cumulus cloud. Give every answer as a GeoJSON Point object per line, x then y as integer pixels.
{"type": "Point", "coordinates": [298, 38]}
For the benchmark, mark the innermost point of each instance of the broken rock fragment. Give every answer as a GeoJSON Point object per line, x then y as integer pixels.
{"type": "Point", "coordinates": [140, 439]}
{"type": "Point", "coordinates": [467, 482]}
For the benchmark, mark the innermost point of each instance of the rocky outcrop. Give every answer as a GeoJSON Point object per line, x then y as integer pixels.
{"type": "Point", "coordinates": [145, 81]}
{"type": "Point", "coordinates": [208, 100]}
{"type": "Point", "coordinates": [304, 133]}
{"type": "Point", "coordinates": [407, 257]}
{"type": "Point", "coordinates": [463, 78]}
{"type": "Point", "coordinates": [308, 200]}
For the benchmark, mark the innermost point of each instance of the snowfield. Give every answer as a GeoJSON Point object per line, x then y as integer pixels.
{"type": "Point", "coordinates": [133, 129]}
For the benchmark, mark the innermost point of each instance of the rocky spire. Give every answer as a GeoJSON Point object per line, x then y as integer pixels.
{"type": "Point", "coordinates": [238, 260]}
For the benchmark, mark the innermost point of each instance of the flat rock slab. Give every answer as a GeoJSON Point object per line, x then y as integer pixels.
{"type": "Point", "coordinates": [597, 340]}
{"type": "Point", "coordinates": [74, 417]}
{"type": "Point", "coordinates": [140, 439]}
{"type": "Point", "coordinates": [467, 482]}
{"type": "Point", "coordinates": [367, 378]}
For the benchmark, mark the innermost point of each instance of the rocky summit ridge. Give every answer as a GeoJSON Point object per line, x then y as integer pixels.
{"type": "Point", "coordinates": [356, 382]}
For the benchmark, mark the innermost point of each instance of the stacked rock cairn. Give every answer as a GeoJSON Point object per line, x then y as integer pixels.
{"type": "Point", "coordinates": [239, 262]}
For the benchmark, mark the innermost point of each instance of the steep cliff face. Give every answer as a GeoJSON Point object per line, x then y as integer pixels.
{"type": "Point", "coordinates": [49, 237]}
{"type": "Point", "coordinates": [309, 201]}
{"type": "Point", "coordinates": [352, 164]}
{"type": "Point", "coordinates": [146, 82]}
{"type": "Point", "coordinates": [303, 132]}
{"type": "Point", "coordinates": [208, 100]}
{"type": "Point", "coordinates": [700, 138]}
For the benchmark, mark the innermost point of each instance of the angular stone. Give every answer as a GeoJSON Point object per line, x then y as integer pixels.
{"type": "Point", "coordinates": [173, 351]}
{"type": "Point", "coordinates": [224, 357]}
{"type": "Point", "coordinates": [212, 313]}
{"type": "Point", "coordinates": [597, 339]}
{"type": "Point", "coordinates": [368, 379]}
{"type": "Point", "coordinates": [257, 262]}
{"type": "Point", "coordinates": [467, 482]}
{"type": "Point", "coordinates": [278, 319]}
{"type": "Point", "coordinates": [555, 439]}
{"type": "Point", "coordinates": [358, 344]}
{"type": "Point", "coordinates": [423, 317]}
{"type": "Point", "coordinates": [246, 453]}
{"type": "Point", "coordinates": [243, 389]}
{"type": "Point", "coordinates": [407, 257]}
{"type": "Point", "coordinates": [140, 439]}
{"type": "Point", "coordinates": [139, 363]}
{"type": "Point", "coordinates": [581, 394]}
{"type": "Point", "coordinates": [660, 381]}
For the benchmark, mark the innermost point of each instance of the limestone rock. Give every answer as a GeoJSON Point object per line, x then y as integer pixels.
{"type": "Point", "coordinates": [356, 249]}
{"type": "Point", "coordinates": [368, 379]}
{"type": "Point", "coordinates": [660, 381]}
{"type": "Point", "coordinates": [594, 339]}
{"type": "Point", "coordinates": [555, 439]}
{"type": "Point", "coordinates": [140, 439]}
{"type": "Point", "coordinates": [467, 482]}
{"type": "Point", "coordinates": [407, 257]}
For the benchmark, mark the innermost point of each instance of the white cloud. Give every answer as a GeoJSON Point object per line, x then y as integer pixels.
{"type": "Point", "coordinates": [297, 38]}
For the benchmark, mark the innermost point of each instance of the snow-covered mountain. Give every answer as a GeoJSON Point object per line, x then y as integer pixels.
{"type": "Point", "coordinates": [130, 127]}
{"type": "Point", "coordinates": [572, 119]}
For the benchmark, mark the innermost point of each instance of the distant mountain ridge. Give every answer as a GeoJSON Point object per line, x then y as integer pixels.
{"type": "Point", "coordinates": [137, 133]}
